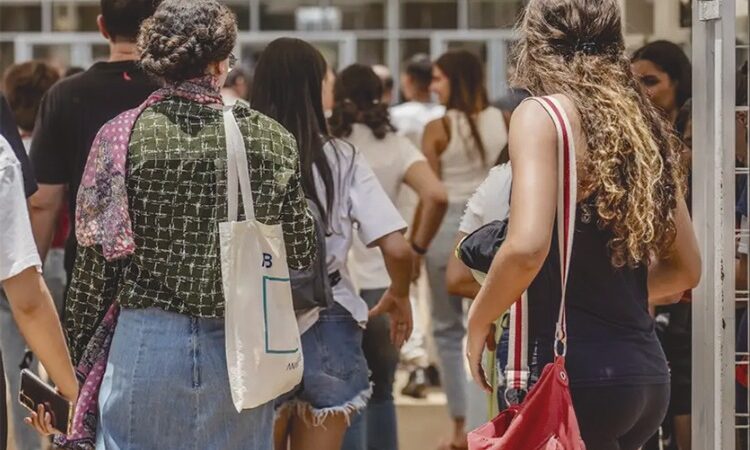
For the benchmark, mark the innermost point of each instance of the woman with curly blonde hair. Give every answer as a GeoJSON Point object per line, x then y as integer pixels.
{"type": "Point", "coordinates": [633, 236]}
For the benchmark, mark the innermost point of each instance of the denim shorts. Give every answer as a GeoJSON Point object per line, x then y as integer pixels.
{"type": "Point", "coordinates": [336, 377]}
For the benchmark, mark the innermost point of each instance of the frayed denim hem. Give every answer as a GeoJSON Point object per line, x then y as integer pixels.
{"type": "Point", "coordinates": [319, 416]}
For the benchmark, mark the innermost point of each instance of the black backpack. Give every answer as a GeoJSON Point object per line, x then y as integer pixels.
{"type": "Point", "coordinates": [312, 288]}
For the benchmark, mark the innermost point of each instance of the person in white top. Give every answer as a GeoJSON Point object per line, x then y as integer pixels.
{"type": "Point", "coordinates": [386, 77]}
{"type": "Point", "coordinates": [289, 81]}
{"type": "Point", "coordinates": [25, 86]}
{"type": "Point", "coordinates": [410, 119]}
{"type": "Point", "coordinates": [21, 279]}
{"type": "Point", "coordinates": [490, 202]}
{"type": "Point", "coordinates": [411, 116]}
{"type": "Point", "coordinates": [461, 147]}
{"type": "Point", "coordinates": [360, 117]}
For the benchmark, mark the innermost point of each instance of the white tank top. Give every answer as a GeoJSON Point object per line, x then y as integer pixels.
{"type": "Point", "coordinates": [462, 169]}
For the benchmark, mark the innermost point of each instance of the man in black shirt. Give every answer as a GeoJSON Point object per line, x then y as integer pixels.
{"type": "Point", "coordinates": [72, 113]}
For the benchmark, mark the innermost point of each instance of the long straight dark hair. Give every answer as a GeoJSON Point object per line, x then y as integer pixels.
{"type": "Point", "coordinates": [468, 93]}
{"type": "Point", "coordinates": [288, 88]}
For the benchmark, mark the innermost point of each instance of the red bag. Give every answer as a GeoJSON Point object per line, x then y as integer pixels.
{"type": "Point", "coordinates": [545, 420]}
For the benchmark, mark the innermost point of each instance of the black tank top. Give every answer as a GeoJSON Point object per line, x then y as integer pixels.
{"type": "Point", "coordinates": [611, 335]}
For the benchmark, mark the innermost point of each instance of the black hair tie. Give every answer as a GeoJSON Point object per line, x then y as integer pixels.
{"type": "Point", "coordinates": [588, 48]}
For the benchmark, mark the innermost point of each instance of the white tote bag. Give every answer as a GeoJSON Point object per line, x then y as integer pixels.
{"type": "Point", "coordinates": [264, 356]}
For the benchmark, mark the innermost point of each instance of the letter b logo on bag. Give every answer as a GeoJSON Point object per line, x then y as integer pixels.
{"type": "Point", "coordinates": [267, 261]}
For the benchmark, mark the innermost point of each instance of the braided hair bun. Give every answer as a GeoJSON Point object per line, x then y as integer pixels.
{"type": "Point", "coordinates": [183, 37]}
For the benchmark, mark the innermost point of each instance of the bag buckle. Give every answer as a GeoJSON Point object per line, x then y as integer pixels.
{"type": "Point", "coordinates": [514, 396]}
{"type": "Point", "coordinates": [561, 342]}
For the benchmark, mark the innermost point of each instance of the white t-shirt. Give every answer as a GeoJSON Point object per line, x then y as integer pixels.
{"type": "Point", "coordinates": [359, 201]}
{"type": "Point", "coordinates": [17, 247]}
{"type": "Point", "coordinates": [410, 118]}
{"type": "Point", "coordinates": [491, 200]}
{"type": "Point", "coordinates": [390, 158]}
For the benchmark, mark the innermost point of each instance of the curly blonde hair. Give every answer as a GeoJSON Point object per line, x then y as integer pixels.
{"type": "Point", "coordinates": [576, 48]}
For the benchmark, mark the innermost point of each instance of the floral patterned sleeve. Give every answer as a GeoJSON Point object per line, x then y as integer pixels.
{"type": "Point", "coordinates": [92, 289]}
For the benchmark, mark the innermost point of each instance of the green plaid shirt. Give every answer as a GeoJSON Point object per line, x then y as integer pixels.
{"type": "Point", "coordinates": [177, 197]}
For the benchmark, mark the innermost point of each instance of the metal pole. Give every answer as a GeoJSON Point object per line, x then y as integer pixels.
{"type": "Point", "coordinates": [713, 215]}
{"type": "Point", "coordinates": [463, 14]}
{"type": "Point", "coordinates": [46, 16]}
{"type": "Point", "coordinates": [392, 45]}
{"type": "Point", "coordinates": [254, 15]}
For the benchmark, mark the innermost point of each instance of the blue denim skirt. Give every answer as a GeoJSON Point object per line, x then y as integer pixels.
{"type": "Point", "coordinates": [166, 387]}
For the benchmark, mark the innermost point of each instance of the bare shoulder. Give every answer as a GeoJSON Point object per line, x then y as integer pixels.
{"type": "Point", "coordinates": [437, 127]}
{"type": "Point", "coordinates": [531, 119]}
{"type": "Point", "coordinates": [435, 132]}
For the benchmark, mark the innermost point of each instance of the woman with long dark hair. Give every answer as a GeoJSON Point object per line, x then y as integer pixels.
{"type": "Point", "coordinates": [665, 72]}
{"type": "Point", "coordinates": [461, 148]}
{"type": "Point", "coordinates": [633, 236]}
{"type": "Point", "coordinates": [362, 119]}
{"type": "Point", "coordinates": [288, 86]}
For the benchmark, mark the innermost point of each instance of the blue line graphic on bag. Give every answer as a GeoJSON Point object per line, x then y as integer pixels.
{"type": "Point", "coordinates": [266, 280]}
{"type": "Point", "coordinates": [267, 261]}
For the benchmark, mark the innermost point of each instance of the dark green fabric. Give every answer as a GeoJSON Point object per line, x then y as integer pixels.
{"type": "Point", "coordinates": [177, 197]}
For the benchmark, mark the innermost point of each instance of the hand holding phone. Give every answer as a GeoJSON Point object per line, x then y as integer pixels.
{"type": "Point", "coordinates": [50, 412]}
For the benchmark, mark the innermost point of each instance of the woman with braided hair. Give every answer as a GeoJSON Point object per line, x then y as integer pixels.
{"type": "Point", "coordinates": [148, 265]}
{"type": "Point", "coordinates": [632, 235]}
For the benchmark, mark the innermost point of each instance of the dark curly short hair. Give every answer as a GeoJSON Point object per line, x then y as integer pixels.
{"type": "Point", "coordinates": [183, 37]}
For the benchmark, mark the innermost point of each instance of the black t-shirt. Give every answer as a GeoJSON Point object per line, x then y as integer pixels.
{"type": "Point", "coordinates": [71, 114]}
{"type": "Point", "coordinates": [9, 131]}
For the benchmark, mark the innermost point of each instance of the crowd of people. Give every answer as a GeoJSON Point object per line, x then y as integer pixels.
{"type": "Point", "coordinates": [115, 178]}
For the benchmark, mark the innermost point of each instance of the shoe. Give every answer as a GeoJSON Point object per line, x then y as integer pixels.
{"type": "Point", "coordinates": [433, 375]}
{"type": "Point", "coordinates": [417, 385]}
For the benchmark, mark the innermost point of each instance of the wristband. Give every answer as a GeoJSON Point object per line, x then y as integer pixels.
{"type": "Point", "coordinates": [418, 250]}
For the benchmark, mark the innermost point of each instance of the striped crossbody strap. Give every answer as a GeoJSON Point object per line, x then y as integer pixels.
{"type": "Point", "coordinates": [517, 370]}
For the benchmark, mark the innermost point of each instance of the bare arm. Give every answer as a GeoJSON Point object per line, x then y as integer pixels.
{"type": "Point", "coordinates": [433, 200]}
{"type": "Point", "coordinates": [519, 259]}
{"type": "Point", "coordinates": [45, 207]}
{"type": "Point", "coordinates": [37, 319]}
{"type": "Point", "coordinates": [458, 277]}
{"type": "Point", "coordinates": [395, 302]}
{"type": "Point", "coordinates": [680, 269]}
{"type": "Point", "coordinates": [533, 204]}
{"type": "Point", "coordinates": [434, 142]}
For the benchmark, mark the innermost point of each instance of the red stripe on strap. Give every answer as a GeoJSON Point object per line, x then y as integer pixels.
{"type": "Point", "coordinates": [562, 125]}
{"type": "Point", "coordinates": [519, 342]}
{"type": "Point", "coordinates": [566, 183]}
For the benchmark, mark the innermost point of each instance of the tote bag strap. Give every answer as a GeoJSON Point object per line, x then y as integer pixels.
{"type": "Point", "coordinates": [237, 168]}
{"type": "Point", "coordinates": [517, 369]}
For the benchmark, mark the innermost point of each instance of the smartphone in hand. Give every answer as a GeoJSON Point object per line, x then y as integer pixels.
{"type": "Point", "coordinates": [35, 392]}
